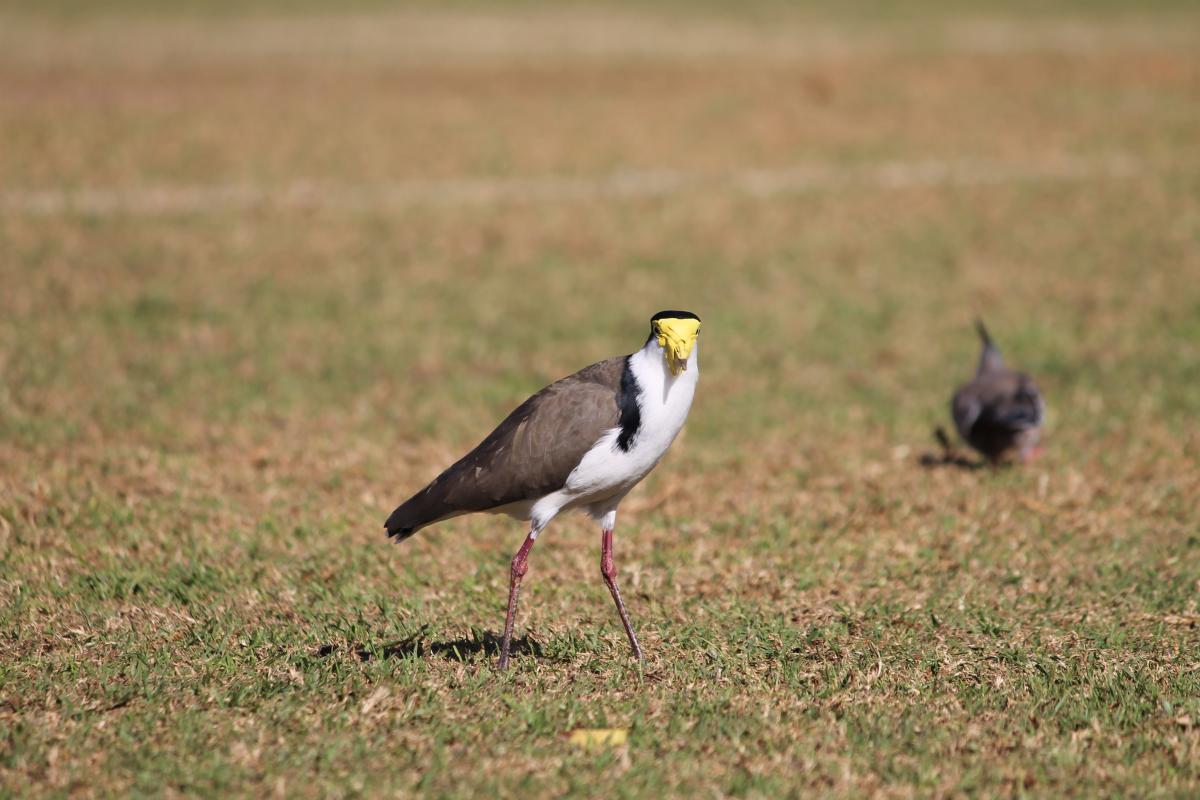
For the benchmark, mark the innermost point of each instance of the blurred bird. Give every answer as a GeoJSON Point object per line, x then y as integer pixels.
{"type": "Point", "coordinates": [1000, 412]}
{"type": "Point", "coordinates": [582, 442]}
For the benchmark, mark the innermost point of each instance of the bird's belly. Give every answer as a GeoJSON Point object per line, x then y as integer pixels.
{"type": "Point", "coordinates": [604, 473]}
{"type": "Point", "coordinates": [609, 470]}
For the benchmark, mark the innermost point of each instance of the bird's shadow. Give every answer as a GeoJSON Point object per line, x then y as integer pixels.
{"type": "Point", "coordinates": [949, 459]}
{"type": "Point", "coordinates": [466, 648]}
{"type": "Point", "coordinates": [949, 455]}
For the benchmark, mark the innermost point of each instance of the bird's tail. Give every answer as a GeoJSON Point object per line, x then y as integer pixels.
{"type": "Point", "coordinates": [989, 356]}
{"type": "Point", "coordinates": [982, 330]}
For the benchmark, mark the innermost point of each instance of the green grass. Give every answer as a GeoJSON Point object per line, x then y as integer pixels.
{"type": "Point", "coordinates": [205, 418]}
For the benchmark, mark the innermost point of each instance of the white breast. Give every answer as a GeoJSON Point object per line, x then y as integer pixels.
{"type": "Point", "coordinates": [665, 399]}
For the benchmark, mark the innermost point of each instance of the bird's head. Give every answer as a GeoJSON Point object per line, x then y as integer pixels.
{"type": "Point", "coordinates": [676, 332]}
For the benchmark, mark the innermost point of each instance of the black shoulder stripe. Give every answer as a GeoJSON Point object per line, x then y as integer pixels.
{"type": "Point", "coordinates": [631, 413]}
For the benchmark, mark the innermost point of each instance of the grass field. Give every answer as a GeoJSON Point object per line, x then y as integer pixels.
{"type": "Point", "coordinates": [263, 275]}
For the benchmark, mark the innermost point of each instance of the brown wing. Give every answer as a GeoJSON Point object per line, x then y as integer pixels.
{"type": "Point", "coordinates": [529, 455]}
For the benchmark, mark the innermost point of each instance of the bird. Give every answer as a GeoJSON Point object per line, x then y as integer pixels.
{"type": "Point", "coordinates": [999, 412]}
{"type": "Point", "coordinates": [582, 443]}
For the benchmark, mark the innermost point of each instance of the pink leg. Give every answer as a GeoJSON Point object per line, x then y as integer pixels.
{"type": "Point", "coordinates": [609, 571]}
{"type": "Point", "coordinates": [520, 565]}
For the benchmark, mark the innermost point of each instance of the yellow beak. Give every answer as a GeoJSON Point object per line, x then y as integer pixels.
{"type": "Point", "coordinates": [677, 337]}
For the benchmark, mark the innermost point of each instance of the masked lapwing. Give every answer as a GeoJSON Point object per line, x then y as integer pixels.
{"type": "Point", "coordinates": [580, 443]}
{"type": "Point", "coordinates": [1000, 411]}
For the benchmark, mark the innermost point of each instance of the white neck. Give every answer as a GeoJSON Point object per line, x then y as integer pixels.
{"type": "Point", "coordinates": [664, 397]}
{"type": "Point", "coordinates": [607, 472]}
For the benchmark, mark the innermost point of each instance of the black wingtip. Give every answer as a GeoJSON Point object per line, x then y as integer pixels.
{"type": "Point", "coordinates": [400, 534]}
{"type": "Point", "coordinates": [398, 531]}
{"type": "Point", "coordinates": [396, 527]}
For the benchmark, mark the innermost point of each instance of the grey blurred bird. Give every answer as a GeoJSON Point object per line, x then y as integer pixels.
{"type": "Point", "coordinates": [999, 412]}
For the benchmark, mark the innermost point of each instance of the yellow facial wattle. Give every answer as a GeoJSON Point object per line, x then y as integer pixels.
{"type": "Point", "coordinates": [677, 337]}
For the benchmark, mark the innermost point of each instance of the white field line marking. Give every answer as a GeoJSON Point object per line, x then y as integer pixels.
{"type": "Point", "coordinates": [304, 195]}
{"type": "Point", "coordinates": [432, 37]}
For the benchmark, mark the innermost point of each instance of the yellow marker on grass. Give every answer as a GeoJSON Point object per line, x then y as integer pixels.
{"type": "Point", "coordinates": [598, 737]}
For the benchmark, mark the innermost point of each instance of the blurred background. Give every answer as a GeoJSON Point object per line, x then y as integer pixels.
{"type": "Point", "coordinates": [416, 212]}
{"type": "Point", "coordinates": [266, 267]}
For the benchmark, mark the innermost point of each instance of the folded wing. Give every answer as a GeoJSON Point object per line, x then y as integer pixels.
{"type": "Point", "coordinates": [529, 455]}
